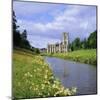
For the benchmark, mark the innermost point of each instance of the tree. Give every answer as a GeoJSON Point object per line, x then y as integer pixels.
{"type": "Point", "coordinates": [76, 44]}
{"type": "Point", "coordinates": [84, 44]}
{"type": "Point", "coordinates": [89, 43]}
{"type": "Point", "coordinates": [37, 50]}
{"type": "Point", "coordinates": [24, 35]}
{"type": "Point", "coordinates": [92, 40]}
{"type": "Point", "coordinates": [24, 42]}
{"type": "Point", "coordinates": [19, 40]}
{"type": "Point", "coordinates": [16, 32]}
{"type": "Point", "coordinates": [14, 22]}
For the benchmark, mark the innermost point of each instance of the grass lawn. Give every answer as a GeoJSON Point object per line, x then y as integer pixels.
{"type": "Point", "coordinates": [84, 56]}
{"type": "Point", "coordinates": [32, 78]}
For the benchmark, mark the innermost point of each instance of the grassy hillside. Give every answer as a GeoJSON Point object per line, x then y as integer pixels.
{"type": "Point", "coordinates": [84, 56]}
{"type": "Point", "coordinates": [32, 78]}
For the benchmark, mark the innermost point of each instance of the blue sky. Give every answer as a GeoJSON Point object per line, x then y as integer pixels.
{"type": "Point", "coordinates": [46, 22]}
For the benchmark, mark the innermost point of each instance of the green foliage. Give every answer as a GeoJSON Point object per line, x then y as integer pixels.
{"type": "Point", "coordinates": [24, 42]}
{"type": "Point", "coordinates": [20, 39]}
{"type": "Point", "coordinates": [14, 22]}
{"type": "Point", "coordinates": [16, 33]}
{"type": "Point", "coordinates": [84, 44]}
{"type": "Point", "coordinates": [92, 40]}
{"type": "Point", "coordinates": [32, 78]}
{"type": "Point", "coordinates": [24, 35]}
{"type": "Point", "coordinates": [89, 43]}
{"type": "Point", "coordinates": [37, 50]}
{"type": "Point", "coordinates": [16, 39]}
{"type": "Point", "coordinates": [76, 44]}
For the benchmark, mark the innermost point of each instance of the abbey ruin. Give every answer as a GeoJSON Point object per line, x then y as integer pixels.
{"type": "Point", "coordinates": [61, 47]}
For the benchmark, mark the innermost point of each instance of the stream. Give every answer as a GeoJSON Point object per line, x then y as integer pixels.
{"type": "Point", "coordinates": [74, 74]}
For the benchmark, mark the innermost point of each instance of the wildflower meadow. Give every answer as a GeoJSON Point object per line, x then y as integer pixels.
{"type": "Point", "coordinates": [32, 78]}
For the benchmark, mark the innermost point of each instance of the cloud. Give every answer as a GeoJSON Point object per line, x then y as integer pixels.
{"type": "Point", "coordinates": [29, 10]}
{"type": "Point", "coordinates": [39, 42]}
{"type": "Point", "coordinates": [49, 22]}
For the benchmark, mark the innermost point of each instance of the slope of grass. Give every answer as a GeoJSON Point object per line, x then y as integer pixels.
{"type": "Point", "coordinates": [84, 56]}
{"type": "Point", "coordinates": [32, 78]}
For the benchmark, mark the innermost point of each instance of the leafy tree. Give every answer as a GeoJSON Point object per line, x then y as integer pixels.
{"type": "Point", "coordinates": [37, 50]}
{"type": "Point", "coordinates": [72, 47]}
{"type": "Point", "coordinates": [89, 43]}
{"type": "Point", "coordinates": [92, 40]}
{"type": "Point", "coordinates": [76, 44]}
{"type": "Point", "coordinates": [84, 44]}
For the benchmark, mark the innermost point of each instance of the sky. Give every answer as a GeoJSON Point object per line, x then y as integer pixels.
{"type": "Point", "coordinates": [45, 22]}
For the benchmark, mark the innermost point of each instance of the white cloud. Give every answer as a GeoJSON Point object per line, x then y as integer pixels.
{"type": "Point", "coordinates": [39, 42]}
{"type": "Point", "coordinates": [84, 25]}
{"type": "Point", "coordinates": [32, 8]}
{"type": "Point", "coordinates": [77, 20]}
{"type": "Point", "coordinates": [67, 19]}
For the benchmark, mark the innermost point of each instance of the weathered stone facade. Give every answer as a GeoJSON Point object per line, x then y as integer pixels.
{"type": "Point", "coordinates": [59, 47]}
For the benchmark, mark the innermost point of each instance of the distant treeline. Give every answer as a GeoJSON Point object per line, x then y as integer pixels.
{"type": "Point", "coordinates": [87, 43]}
{"type": "Point", "coordinates": [20, 38]}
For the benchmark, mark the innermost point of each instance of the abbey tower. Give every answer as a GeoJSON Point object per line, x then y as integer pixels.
{"type": "Point", "coordinates": [61, 47]}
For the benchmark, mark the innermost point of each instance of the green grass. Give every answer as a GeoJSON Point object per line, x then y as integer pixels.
{"type": "Point", "coordinates": [84, 56]}
{"type": "Point", "coordinates": [33, 78]}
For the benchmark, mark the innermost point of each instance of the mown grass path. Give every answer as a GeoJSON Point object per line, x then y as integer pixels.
{"type": "Point", "coordinates": [33, 78]}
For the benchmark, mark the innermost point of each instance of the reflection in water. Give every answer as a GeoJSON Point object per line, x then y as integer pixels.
{"type": "Point", "coordinates": [65, 72]}
{"type": "Point", "coordinates": [72, 74]}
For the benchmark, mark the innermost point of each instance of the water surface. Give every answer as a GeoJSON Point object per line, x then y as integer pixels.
{"type": "Point", "coordinates": [74, 74]}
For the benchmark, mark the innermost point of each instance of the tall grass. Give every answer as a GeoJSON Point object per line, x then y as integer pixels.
{"type": "Point", "coordinates": [33, 78]}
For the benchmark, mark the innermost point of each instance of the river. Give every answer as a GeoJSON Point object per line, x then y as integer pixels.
{"type": "Point", "coordinates": [74, 74]}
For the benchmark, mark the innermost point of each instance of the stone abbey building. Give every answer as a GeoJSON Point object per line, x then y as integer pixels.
{"type": "Point", "coordinates": [61, 47]}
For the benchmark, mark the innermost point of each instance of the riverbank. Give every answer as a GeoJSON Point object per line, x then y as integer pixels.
{"type": "Point", "coordinates": [85, 56]}
{"type": "Point", "coordinates": [33, 78]}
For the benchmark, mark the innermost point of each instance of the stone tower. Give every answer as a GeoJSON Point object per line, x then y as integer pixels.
{"type": "Point", "coordinates": [65, 42]}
